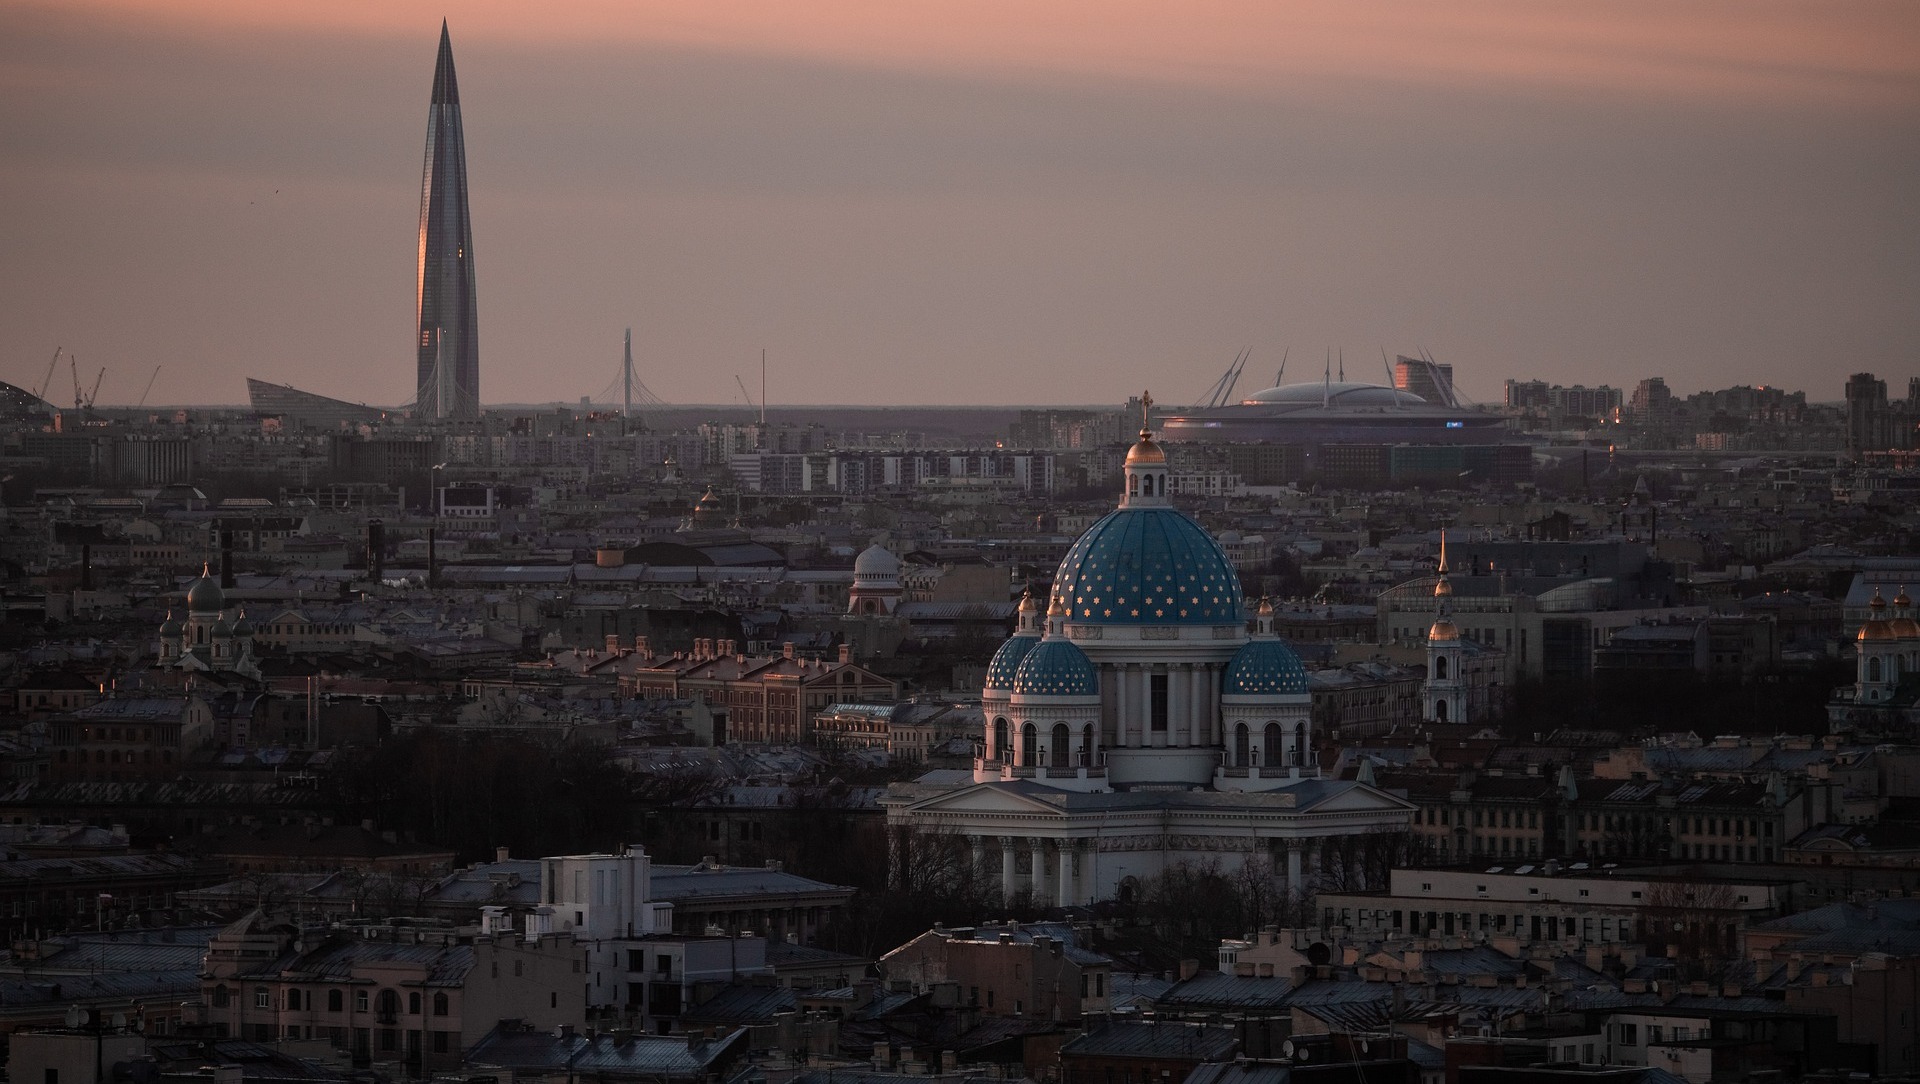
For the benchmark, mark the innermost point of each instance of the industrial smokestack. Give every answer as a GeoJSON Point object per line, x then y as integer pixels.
{"type": "Point", "coordinates": [226, 558]}
{"type": "Point", "coordinates": [376, 548]}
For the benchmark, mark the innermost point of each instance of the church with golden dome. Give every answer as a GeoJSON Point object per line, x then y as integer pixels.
{"type": "Point", "coordinates": [1144, 715]}
{"type": "Point", "coordinates": [1886, 679]}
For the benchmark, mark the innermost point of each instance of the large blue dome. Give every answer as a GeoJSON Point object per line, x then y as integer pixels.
{"type": "Point", "coordinates": [1264, 668]}
{"type": "Point", "coordinates": [1148, 566]}
{"type": "Point", "coordinates": [1006, 661]}
{"type": "Point", "coordinates": [1056, 668]}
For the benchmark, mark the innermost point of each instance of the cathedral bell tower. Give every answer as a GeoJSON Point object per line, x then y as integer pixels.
{"type": "Point", "coordinates": [1445, 695]}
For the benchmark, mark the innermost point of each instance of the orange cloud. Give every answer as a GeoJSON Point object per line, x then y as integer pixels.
{"type": "Point", "coordinates": [1774, 49]}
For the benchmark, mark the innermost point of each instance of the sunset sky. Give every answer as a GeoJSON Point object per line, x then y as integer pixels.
{"type": "Point", "coordinates": [986, 202]}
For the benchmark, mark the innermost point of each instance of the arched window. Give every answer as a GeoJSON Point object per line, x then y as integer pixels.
{"type": "Point", "coordinates": [1439, 711]}
{"type": "Point", "coordinates": [220, 997]}
{"type": "Point", "coordinates": [1001, 752]}
{"type": "Point", "coordinates": [1059, 754]}
{"type": "Point", "coordinates": [440, 1003]}
{"type": "Point", "coordinates": [1029, 737]}
{"type": "Point", "coordinates": [1240, 743]}
{"type": "Point", "coordinates": [1270, 742]}
{"type": "Point", "coordinates": [387, 1004]}
{"type": "Point", "coordinates": [413, 1003]}
{"type": "Point", "coordinates": [293, 1000]}
{"type": "Point", "coordinates": [336, 1001]}
{"type": "Point", "coordinates": [1440, 668]}
{"type": "Point", "coordinates": [1300, 744]}
{"type": "Point", "coordinates": [1086, 746]}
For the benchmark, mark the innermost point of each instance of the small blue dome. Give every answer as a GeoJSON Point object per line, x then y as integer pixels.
{"type": "Point", "coordinates": [1264, 668]}
{"type": "Point", "coordinates": [1006, 661]}
{"type": "Point", "coordinates": [1148, 566]}
{"type": "Point", "coordinates": [1056, 668]}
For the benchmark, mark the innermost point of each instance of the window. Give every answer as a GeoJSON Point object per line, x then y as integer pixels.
{"type": "Point", "coordinates": [1157, 700]}
{"type": "Point", "coordinates": [439, 1042]}
{"type": "Point", "coordinates": [262, 998]}
{"type": "Point", "coordinates": [360, 1001]}
{"type": "Point", "coordinates": [293, 1000]}
{"type": "Point", "coordinates": [336, 1001]}
{"type": "Point", "coordinates": [413, 1003]}
{"type": "Point", "coordinates": [440, 1004]}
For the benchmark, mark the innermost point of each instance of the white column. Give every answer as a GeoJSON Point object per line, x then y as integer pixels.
{"type": "Point", "coordinates": [1066, 874]}
{"type": "Point", "coordinates": [1179, 720]}
{"type": "Point", "coordinates": [1009, 868]}
{"type": "Point", "coordinates": [1197, 726]}
{"type": "Point", "coordinates": [1141, 711]}
{"type": "Point", "coordinates": [1293, 870]}
{"type": "Point", "coordinates": [1120, 705]}
{"type": "Point", "coordinates": [1038, 865]}
{"type": "Point", "coordinates": [978, 844]}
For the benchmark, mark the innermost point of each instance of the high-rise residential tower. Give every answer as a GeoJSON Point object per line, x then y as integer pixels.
{"type": "Point", "coordinates": [448, 334]}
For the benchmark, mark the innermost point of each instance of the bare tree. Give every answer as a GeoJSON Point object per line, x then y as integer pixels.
{"type": "Point", "coordinates": [1692, 922]}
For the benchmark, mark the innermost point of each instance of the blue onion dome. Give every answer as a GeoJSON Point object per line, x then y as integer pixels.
{"type": "Point", "coordinates": [1148, 566]}
{"type": "Point", "coordinates": [205, 596]}
{"type": "Point", "coordinates": [221, 629]}
{"type": "Point", "coordinates": [171, 626]}
{"type": "Point", "coordinates": [1264, 667]}
{"type": "Point", "coordinates": [1056, 667]}
{"type": "Point", "coordinates": [242, 626]}
{"type": "Point", "coordinates": [1006, 661]}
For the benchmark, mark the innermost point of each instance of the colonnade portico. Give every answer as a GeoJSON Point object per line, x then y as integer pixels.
{"type": "Point", "coordinates": [1065, 871]}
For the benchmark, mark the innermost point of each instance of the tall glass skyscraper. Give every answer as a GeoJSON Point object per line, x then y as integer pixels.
{"type": "Point", "coordinates": [448, 333]}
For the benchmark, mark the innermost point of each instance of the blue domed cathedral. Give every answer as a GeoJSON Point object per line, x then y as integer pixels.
{"type": "Point", "coordinates": [1146, 718]}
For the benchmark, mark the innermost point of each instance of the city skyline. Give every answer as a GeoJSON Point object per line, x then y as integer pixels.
{"type": "Point", "coordinates": [1033, 207]}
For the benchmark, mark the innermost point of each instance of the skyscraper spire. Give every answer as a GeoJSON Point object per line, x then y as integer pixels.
{"type": "Point", "coordinates": [447, 335]}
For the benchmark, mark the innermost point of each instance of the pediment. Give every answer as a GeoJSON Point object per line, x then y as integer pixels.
{"type": "Point", "coordinates": [1361, 798]}
{"type": "Point", "coordinates": [986, 798]}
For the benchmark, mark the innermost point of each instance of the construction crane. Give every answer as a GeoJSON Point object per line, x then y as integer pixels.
{"type": "Point", "coordinates": [47, 384]}
{"type": "Point", "coordinates": [144, 394]}
{"type": "Point", "coordinates": [94, 392]}
{"type": "Point", "coordinates": [743, 390]}
{"type": "Point", "coordinates": [73, 367]}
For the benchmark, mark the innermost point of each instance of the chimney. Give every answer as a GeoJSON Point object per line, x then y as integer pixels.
{"type": "Point", "coordinates": [613, 643]}
{"type": "Point", "coordinates": [846, 652]}
{"type": "Point", "coordinates": [376, 548]}
{"type": "Point", "coordinates": [1190, 968]}
{"type": "Point", "coordinates": [786, 650]}
{"type": "Point", "coordinates": [642, 648]}
{"type": "Point", "coordinates": [226, 558]}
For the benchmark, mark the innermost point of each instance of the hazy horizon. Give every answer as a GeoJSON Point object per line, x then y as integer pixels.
{"type": "Point", "coordinates": [994, 204]}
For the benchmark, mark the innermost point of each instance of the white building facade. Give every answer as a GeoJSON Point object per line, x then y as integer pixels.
{"type": "Point", "coordinates": [1143, 724]}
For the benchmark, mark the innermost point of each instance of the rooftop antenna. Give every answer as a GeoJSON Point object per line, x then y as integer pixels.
{"type": "Point", "coordinates": [1326, 395]}
{"type": "Point", "coordinates": [1343, 365]}
{"type": "Point", "coordinates": [763, 385]}
{"type": "Point", "coordinates": [626, 377]}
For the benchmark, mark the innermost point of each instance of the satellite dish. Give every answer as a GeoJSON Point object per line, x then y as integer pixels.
{"type": "Point", "coordinates": [1303, 1053]}
{"type": "Point", "coordinates": [76, 1016]}
{"type": "Point", "coordinates": [1286, 1049]}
